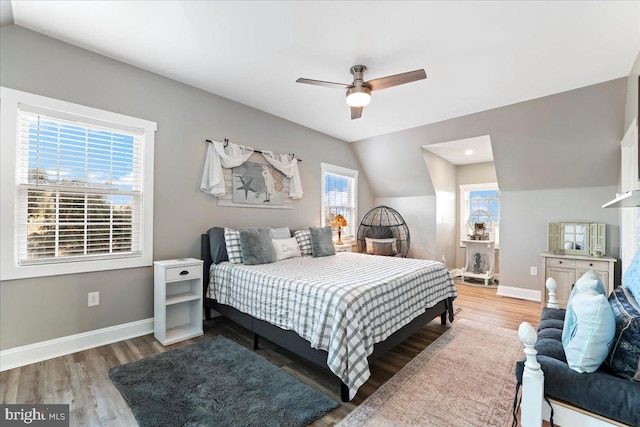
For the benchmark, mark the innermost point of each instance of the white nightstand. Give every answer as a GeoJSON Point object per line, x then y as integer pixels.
{"type": "Point", "coordinates": [343, 248]}
{"type": "Point", "coordinates": [177, 308]}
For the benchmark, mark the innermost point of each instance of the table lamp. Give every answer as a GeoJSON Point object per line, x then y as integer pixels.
{"type": "Point", "coordinates": [339, 222]}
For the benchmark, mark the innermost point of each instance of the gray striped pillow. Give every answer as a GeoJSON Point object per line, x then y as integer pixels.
{"type": "Point", "coordinates": [304, 241]}
{"type": "Point", "coordinates": [232, 240]}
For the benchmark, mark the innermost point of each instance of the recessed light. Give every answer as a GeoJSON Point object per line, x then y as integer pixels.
{"type": "Point", "coordinates": [468, 152]}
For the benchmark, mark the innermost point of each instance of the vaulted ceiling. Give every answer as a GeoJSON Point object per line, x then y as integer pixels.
{"type": "Point", "coordinates": [477, 55]}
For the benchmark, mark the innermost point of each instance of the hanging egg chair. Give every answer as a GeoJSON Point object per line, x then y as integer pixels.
{"type": "Point", "coordinates": [383, 224]}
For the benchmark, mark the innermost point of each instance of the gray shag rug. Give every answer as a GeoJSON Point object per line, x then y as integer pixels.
{"type": "Point", "coordinates": [216, 382]}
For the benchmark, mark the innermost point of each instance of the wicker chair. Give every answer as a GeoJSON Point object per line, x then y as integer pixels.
{"type": "Point", "coordinates": [383, 221]}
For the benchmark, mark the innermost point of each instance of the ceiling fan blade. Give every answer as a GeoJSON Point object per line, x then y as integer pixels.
{"type": "Point", "coordinates": [397, 79]}
{"type": "Point", "coordinates": [356, 112]}
{"type": "Point", "coordinates": [323, 83]}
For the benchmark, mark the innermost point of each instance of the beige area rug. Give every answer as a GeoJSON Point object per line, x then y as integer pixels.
{"type": "Point", "coordinates": [464, 378]}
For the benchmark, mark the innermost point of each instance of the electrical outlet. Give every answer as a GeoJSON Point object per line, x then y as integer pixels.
{"type": "Point", "coordinates": [94, 299]}
{"type": "Point", "coordinates": [534, 271]}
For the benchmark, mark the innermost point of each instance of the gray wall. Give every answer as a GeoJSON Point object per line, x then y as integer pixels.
{"type": "Point", "coordinates": [33, 310]}
{"type": "Point", "coordinates": [443, 177]}
{"type": "Point", "coordinates": [567, 143]}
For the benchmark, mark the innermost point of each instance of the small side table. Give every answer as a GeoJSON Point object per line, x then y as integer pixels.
{"type": "Point", "coordinates": [177, 308]}
{"type": "Point", "coordinates": [342, 248]}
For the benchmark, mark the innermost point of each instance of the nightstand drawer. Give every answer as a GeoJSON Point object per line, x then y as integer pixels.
{"type": "Point", "coordinates": [184, 273]}
{"type": "Point", "coordinates": [560, 262]}
{"type": "Point", "coordinates": [592, 265]}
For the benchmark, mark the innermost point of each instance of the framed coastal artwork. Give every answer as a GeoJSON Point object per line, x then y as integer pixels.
{"type": "Point", "coordinates": [256, 185]}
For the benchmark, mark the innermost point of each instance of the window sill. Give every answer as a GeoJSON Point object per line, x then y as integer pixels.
{"type": "Point", "coordinates": [11, 271]}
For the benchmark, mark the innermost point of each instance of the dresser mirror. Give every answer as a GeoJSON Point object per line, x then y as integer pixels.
{"type": "Point", "coordinates": [576, 238]}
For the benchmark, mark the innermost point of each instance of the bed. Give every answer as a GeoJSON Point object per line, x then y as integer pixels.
{"type": "Point", "coordinates": [340, 312]}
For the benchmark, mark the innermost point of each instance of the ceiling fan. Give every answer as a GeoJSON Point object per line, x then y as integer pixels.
{"type": "Point", "coordinates": [359, 92]}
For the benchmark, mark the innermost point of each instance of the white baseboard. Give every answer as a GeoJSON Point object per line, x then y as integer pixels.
{"type": "Point", "coordinates": [520, 293]}
{"type": "Point", "coordinates": [32, 353]}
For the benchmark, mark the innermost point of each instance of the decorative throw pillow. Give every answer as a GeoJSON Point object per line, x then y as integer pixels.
{"type": "Point", "coordinates": [304, 241]}
{"type": "Point", "coordinates": [286, 248]}
{"type": "Point", "coordinates": [589, 280]}
{"type": "Point", "coordinates": [379, 232]}
{"type": "Point", "coordinates": [589, 328]}
{"type": "Point", "coordinates": [370, 241]}
{"type": "Point", "coordinates": [631, 277]}
{"type": "Point", "coordinates": [321, 241]}
{"type": "Point", "coordinates": [281, 233]}
{"type": "Point", "coordinates": [385, 248]}
{"type": "Point", "coordinates": [256, 246]}
{"type": "Point", "coordinates": [624, 357]}
{"type": "Point", "coordinates": [232, 241]}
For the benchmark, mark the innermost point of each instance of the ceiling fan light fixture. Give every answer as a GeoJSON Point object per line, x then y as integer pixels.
{"type": "Point", "coordinates": [358, 96]}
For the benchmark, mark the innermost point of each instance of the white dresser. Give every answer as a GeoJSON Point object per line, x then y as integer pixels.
{"type": "Point", "coordinates": [566, 269]}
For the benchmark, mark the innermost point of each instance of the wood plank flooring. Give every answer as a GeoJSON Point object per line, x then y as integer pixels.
{"type": "Point", "coordinates": [82, 379]}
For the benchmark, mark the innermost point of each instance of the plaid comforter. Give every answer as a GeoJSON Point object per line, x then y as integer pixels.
{"type": "Point", "coordinates": [343, 304]}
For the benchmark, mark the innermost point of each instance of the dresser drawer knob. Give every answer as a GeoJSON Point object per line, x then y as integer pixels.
{"type": "Point", "coordinates": [590, 264]}
{"type": "Point", "coordinates": [559, 262]}
{"type": "Point", "coordinates": [183, 272]}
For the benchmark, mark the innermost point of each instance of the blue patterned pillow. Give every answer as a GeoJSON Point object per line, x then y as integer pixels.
{"type": "Point", "coordinates": [589, 328]}
{"type": "Point", "coordinates": [304, 241]}
{"type": "Point", "coordinates": [631, 277]}
{"type": "Point", "coordinates": [232, 241]}
{"type": "Point", "coordinates": [624, 356]}
{"type": "Point", "coordinates": [589, 280]}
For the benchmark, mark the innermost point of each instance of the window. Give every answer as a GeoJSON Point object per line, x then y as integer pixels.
{"type": "Point", "coordinates": [80, 192]}
{"type": "Point", "coordinates": [480, 203]}
{"type": "Point", "coordinates": [340, 196]}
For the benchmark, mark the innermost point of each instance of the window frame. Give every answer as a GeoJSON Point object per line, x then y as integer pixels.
{"type": "Point", "coordinates": [327, 168]}
{"type": "Point", "coordinates": [464, 190]}
{"type": "Point", "coordinates": [10, 269]}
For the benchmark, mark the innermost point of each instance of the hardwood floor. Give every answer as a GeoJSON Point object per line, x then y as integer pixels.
{"type": "Point", "coordinates": [82, 379]}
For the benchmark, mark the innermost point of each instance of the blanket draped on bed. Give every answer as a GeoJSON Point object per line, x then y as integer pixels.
{"type": "Point", "coordinates": [342, 304]}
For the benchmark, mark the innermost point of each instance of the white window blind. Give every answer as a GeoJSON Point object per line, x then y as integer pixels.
{"type": "Point", "coordinates": [340, 196]}
{"type": "Point", "coordinates": [80, 189]}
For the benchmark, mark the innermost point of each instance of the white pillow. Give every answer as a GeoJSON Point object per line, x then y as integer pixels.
{"type": "Point", "coordinates": [370, 241]}
{"type": "Point", "coordinates": [286, 248]}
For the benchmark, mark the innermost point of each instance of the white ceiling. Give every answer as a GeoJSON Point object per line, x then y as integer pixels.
{"type": "Point", "coordinates": [464, 151]}
{"type": "Point", "coordinates": [477, 55]}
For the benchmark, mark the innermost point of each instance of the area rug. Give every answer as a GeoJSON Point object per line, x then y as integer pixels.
{"type": "Point", "coordinates": [464, 378]}
{"type": "Point", "coordinates": [216, 382]}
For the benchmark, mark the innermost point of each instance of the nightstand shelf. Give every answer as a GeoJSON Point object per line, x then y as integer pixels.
{"type": "Point", "coordinates": [177, 300]}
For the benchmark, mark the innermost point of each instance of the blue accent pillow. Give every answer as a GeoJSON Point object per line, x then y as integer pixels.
{"type": "Point", "coordinates": [631, 277]}
{"type": "Point", "coordinates": [589, 280]}
{"type": "Point", "coordinates": [321, 241]}
{"type": "Point", "coordinates": [624, 357]}
{"type": "Point", "coordinates": [589, 328]}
